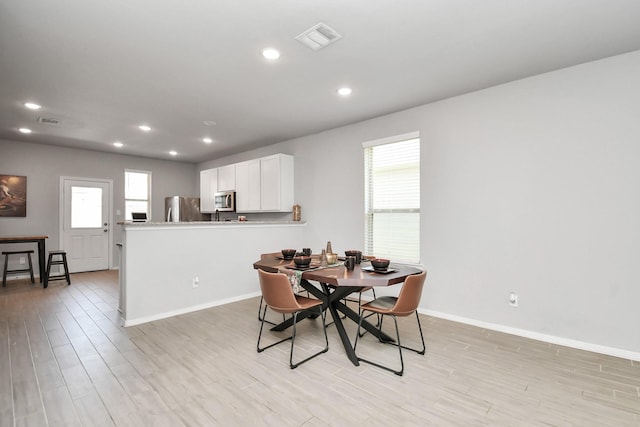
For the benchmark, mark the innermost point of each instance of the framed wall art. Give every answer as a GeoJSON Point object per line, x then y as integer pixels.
{"type": "Point", "coordinates": [13, 196]}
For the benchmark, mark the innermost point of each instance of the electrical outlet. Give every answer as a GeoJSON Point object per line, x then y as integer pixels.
{"type": "Point", "coordinates": [23, 260]}
{"type": "Point", "coordinates": [513, 299]}
{"type": "Point", "coordinates": [196, 281]}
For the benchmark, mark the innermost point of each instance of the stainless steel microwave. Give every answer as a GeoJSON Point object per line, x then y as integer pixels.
{"type": "Point", "coordinates": [225, 201]}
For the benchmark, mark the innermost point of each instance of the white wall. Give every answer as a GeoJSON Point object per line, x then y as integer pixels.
{"type": "Point", "coordinates": [528, 187]}
{"type": "Point", "coordinates": [220, 255]}
{"type": "Point", "coordinates": [43, 165]}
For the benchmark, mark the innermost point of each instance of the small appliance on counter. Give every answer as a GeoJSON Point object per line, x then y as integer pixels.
{"type": "Point", "coordinates": [183, 209]}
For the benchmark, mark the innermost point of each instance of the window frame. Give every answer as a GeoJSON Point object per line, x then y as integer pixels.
{"type": "Point", "coordinates": [128, 199]}
{"type": "Point", "coordinates": [370, 211]}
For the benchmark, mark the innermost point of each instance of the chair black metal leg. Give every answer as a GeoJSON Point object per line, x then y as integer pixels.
{"type": "Point", "coordinates": [370, 362]}
{"type": "Point", "coordinates": [260, 309]}
{"type": "Point", "coordinates": [260, 350]}
{"type": "Point", "coordinates": [360, 311]}
{"type": "Point", "coordinates": [397, 343]}
{"type": "Point", "coordinates": [326, 340]}
{"type": "Point", "coordinates": [293, 337]}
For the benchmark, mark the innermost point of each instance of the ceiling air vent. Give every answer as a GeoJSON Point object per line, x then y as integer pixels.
{"type": "Point", "coordinates": [49, 121]}
{"type": "Point", "coordinates": [319, 36]}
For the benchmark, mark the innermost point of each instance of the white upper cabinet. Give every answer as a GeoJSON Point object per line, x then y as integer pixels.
{"type": "Point", "coordinates": [261, 185]}
{"type": "Point", "coordinates": [208, 188]}
{"type": "Point", "coordinates": [248, 186]}
{"type": "Point", "coordinates": [227, 178]}
{"type": "Point", "coordinates": [265, 184]}
{"type": "Point", "coordinates": [276, 183]}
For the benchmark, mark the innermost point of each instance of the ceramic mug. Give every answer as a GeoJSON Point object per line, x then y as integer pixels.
{"type": "Point", "coordinates": [356, 254]}
{"type": "Point", "coordinates": [350, 263]}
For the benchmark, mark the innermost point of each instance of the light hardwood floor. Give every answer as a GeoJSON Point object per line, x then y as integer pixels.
{"type": "Point", "coordinates": [64, 361]}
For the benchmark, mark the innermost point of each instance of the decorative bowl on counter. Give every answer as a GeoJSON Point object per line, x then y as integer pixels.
{"type": "Point", "coordinates": [380, 264]}
{"type": "Point", "coordinates": [288, 253]}
{"type": "Point", "coordinates": [302, 261]}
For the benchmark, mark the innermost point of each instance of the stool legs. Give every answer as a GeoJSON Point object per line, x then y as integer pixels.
{"type": "Point", "coordinates": [63, 262]}
{"type": "Point", "coordinates": [31, 268]}
{"type": "Point", "coordinates": [4, 273]}
{"type": "Point", "coordinates": [20, 270]}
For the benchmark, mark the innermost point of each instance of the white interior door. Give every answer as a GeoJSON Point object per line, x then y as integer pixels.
{"type": "Point", "coordinates": [86, 231]}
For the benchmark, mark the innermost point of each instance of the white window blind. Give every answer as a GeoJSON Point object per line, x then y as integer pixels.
{"type": "Point", "coordinates": [392, 198]}
{"type": "Point", "coordinates": [137, 193]}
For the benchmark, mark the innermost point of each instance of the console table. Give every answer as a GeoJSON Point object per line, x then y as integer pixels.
{"type": "Point", "coordinates": [40, 240]}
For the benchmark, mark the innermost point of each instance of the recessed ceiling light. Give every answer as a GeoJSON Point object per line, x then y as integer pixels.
{"type": "Point", "coordinates": [32, 106]}
{"type": "Point", "coordinates": [173, 153]}
{"type": "Point", "coordinates": [118, 144]}
{"type": "Point", "coordinates": [344, 91]}
{"type": "Point", "coordinates": [25, 130]}
{"type": "Point", "coordinates": [270, 53]}
{"type": "Point", "coordinates": [144, 128]}
{"type": "Point", "coordinates": [207, 140]}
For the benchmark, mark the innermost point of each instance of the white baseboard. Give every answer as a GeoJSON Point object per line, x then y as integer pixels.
{"type": "Point", "coordinates": [581, 345]}
{"type": "Point", "coordinates": [146, 319]}
{"type": "Point", "coordinates": [596, 348]}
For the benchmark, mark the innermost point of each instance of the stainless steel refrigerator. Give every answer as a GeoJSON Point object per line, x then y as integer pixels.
{"type": "Point", "coordinates": [183, 209]}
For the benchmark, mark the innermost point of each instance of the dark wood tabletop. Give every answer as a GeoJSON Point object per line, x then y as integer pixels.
{"type": "Point", "coordinates": [338, 275]}
{"type": "Point", "coordinates": [18, 239]}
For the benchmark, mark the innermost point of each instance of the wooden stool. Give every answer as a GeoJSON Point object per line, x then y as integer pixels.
{"type": "Point", "coordinates": [63, 262]}
{"type": "Point", "coordinates": [21, 270]}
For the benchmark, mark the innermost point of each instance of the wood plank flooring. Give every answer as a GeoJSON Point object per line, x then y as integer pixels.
{"type": "Point", "coordinates": [64, 361]}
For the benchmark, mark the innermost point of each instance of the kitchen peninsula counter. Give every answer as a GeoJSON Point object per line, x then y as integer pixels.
{"type": "Point", "coordinates": [168, 268]}
{"type": "Point", "coordinates": [211, 223]}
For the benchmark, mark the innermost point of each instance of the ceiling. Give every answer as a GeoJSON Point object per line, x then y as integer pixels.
{"type": "Point", "coordinates": [102, 67]}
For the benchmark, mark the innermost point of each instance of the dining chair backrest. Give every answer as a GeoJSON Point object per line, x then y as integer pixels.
{"type": "Point", "coordinates": [410, 294]}
{"type": "Point", "coordinates": [277, 292]}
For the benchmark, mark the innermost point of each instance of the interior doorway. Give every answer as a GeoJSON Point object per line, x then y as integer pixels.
{"type": "Point", "coordinates": [85, 228]}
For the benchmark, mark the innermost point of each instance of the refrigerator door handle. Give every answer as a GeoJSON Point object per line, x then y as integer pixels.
{"type": "Point", "coordinates": [169, 214]}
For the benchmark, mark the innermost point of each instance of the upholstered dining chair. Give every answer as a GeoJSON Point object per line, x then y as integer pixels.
{"type": "Point", "coordinates": [405, 304]}
{"type": "Point", "coordinates": [260, 317]}
{"type": "Point", "coordinates": [279, 297]}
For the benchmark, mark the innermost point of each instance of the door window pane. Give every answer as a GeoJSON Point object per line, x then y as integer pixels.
{"type": "Point", "coordinates": [86, 207]}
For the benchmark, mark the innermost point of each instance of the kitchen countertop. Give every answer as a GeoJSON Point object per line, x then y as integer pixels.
{"type": "Point", "coordinates": [210, 223]}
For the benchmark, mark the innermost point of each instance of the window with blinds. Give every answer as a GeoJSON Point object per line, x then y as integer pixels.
{"type": "Point", "coordinates": [137, 193]}
{"type": "Point", "coordinates": [392, 198]}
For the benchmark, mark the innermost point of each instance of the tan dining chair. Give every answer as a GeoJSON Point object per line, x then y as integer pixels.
{"type": "Point", "coordinates": [405, 304]}
{"type": "Point", "coordinates": [260, 318]}
{"type": "Point", "coordinates": [279, 297]}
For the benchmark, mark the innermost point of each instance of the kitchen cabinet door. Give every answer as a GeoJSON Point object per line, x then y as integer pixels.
{"type": "Point", "coordinates": [276, 183]}
{"type": "Point", "coordinates": [227, 178]}
{"type": "Point", "coordinates": [208, 188]}
{"type": "Point", "coordinates": [248, 186]}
